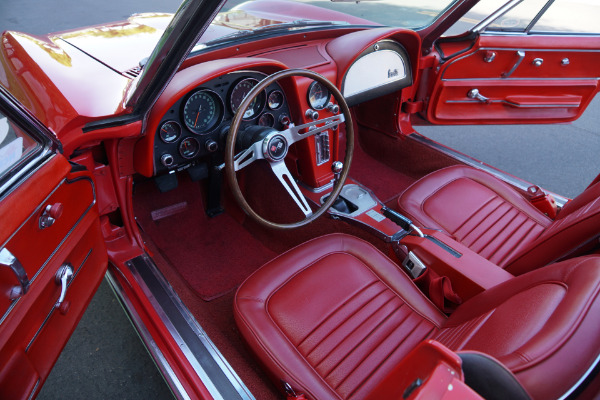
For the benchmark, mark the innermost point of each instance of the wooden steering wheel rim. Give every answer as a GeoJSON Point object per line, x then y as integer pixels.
{"type": "Point", "coordinates": [233, 133]}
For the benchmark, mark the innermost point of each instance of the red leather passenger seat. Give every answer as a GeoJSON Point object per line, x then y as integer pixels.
{"type": "Point", "coordinates": [333, 316]}
{"type": "Point", "coordinates": [494, 220]}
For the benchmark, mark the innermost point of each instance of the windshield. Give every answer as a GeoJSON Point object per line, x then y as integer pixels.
{"type": "Point", "coordinates": [240, 19]}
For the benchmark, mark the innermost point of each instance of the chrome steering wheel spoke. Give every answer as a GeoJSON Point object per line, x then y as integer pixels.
{"type": "Point", "coordinates": [293, 135]}
{"type": "Point", "coordinates": [248, 156]}
{"type": "Point", "coordinates": [287, 180]}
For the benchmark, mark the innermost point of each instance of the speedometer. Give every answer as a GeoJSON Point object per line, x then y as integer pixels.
{"type": "Point", "coordinates": [240, 91]}
{"type": "Point", "coordinates": [202, 111]}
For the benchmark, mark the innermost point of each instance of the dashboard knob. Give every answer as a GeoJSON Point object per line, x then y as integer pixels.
{"type": "Point", "coordinates": [211, 146]}
{"type": "Point", "coordinates": [167, 160]}
{"type": "Point", "coordinates": [312, 114]}
{"type": "Point", "coordinates": [333, 108]}
{"type": "Point", "coordinates": [284, 120]}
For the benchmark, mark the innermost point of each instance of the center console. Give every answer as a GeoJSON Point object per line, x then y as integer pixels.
{"type": "Point", "coordinates": [417, 249]}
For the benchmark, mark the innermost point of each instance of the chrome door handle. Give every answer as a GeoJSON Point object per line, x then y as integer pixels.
{"type": "Point", "coordinates": [474, 94]}
{"type": "Point", "coordinates": [520, 57]}
{"type": "Point", "coordinates": [7, 259]}
{"type": "Point", "coordinates": [64, 275]}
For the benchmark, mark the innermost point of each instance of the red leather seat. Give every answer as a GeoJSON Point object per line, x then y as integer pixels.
{"type": "Point", "coordinates": [494, 220]}
{"type": "Point", "coordinates": [333, 316]}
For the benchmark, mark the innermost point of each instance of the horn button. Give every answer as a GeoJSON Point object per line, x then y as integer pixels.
{"type": "Point", "coordinates": [275, 147]}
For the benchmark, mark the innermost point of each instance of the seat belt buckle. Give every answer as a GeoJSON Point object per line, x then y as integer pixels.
{"type": "Point", "coordinates": [413, 265]}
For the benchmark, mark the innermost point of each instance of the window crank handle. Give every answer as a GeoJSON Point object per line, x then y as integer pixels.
{"type": "Point", "coordinates": [474, 94]}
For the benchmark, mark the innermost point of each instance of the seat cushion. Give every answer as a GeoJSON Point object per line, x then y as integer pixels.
{"type": "Point", "coordinates": [477, 209]}
{"type": "Point", "coordinates": [542, 325]}
{"type": "Point", "coordinates": [333, 316]}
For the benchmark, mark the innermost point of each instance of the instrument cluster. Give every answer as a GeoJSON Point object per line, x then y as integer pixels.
{"type": "Point", "coordinates": [197, 124]}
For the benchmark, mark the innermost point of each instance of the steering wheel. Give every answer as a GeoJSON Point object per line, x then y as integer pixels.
{"type": "Point", "coordinates": [275, 145]}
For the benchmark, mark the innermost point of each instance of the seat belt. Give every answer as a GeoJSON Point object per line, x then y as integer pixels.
{"type": "Point", "coordinates": [439, 289]}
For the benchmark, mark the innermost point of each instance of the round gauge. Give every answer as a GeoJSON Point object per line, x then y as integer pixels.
{"type": "Point", "coordinates": [318, 95]}
{"type": "Point", "coordinates": [240, 91]}
{"type": "Point", "coordinates": [170, 131]}
{"type": "Point", "coordinates": [267, 119]}
{"type": "Point", "coordinates": [189, 147]}
{"type": "Point", "coordinates": [202, 111]}
{"type": "Point", "coordinates": [275, 99]}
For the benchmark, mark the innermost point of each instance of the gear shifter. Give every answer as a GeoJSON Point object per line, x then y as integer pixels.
{"type": "Point", "coordinates": [401, 220]}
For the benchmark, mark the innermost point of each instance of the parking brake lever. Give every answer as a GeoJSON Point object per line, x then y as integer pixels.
{"type": "Point", "coordinates": [401, 221]}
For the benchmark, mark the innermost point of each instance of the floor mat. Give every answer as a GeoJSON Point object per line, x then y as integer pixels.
{"type": "Point", "coordinates": [213, 255]}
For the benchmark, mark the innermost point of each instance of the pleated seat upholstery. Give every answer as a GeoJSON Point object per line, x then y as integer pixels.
{"type": "Point", "coordinates": [494, 220]}
{"type": "Point", "coordinates": [333, 316]}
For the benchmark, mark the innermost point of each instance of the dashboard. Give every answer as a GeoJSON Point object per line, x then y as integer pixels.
{"type": "Point", "coordinates": [190, 122]}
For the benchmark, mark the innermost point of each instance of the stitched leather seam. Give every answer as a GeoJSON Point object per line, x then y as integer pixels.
{"type": "Point", "coordinates": [511, 252]}
{"type": "Point", "coordinates": [275, 360]}
{"type": "Point", "coordinates": [383, 340]}
{"type": "Point", "coordinates": [370, 332]}
{"type": "Point", "coordinates": [455, 339]}
{"type": "Point", "coordinates": [378, 366]}
{"type": "Point", "coordinates": [475, 213]}
{"type": "Point", "coordinates": [483, 219]}
{"type": "Point", "coordinates": [492, 226]}
{"type": "Point", "coordinates": [340, 342]}
{"type": "Point", "coordinates": [338, 308]}
{"type": "Point", "coordinates": [550, 237]}
{"type": "Point", "coordinates": [512, 235]}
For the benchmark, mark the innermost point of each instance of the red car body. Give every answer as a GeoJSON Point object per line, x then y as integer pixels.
{"type": "Point", "coordinates": [75, 88]}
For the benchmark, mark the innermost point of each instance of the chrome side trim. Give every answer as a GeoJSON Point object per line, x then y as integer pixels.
{"type": "Point", "coordinates": [157, 356]}
{"type": "Point", "coordinates": [510, 103]}
{"type": "Point", "coordinates": [24, 173]}
{"type": "Point", "coordinates": [485, 49]}
{"type": "Point", "coordinates": [569, 392]}
{"type": "Point", "coordinates": [511, 180]}
{"type": "Point", "coordinates": [31, 395]}
{"type": "Point", "coordinates": [208, 362]}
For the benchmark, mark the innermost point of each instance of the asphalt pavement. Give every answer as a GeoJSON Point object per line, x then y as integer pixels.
{"type": "Point", "coordinates": [105, 358]}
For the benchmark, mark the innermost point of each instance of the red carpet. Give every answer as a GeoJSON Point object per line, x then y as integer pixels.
{"type": "Point", "coordinates": [195, 244]}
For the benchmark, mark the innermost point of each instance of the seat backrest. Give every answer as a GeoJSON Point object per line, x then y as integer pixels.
{"type": "Point", "coordinates": [577, 224]}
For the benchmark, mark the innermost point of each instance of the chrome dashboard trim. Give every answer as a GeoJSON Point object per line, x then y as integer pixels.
{"type": "Point", "coordinates": [207, 361]}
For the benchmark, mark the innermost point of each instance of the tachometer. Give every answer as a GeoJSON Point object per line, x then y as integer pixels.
{"type": "Point", "coordinates": [318, 95]}
{"type": "Point", "coordinates": [239, 92]}
{"type": "Point", "coordinates": [202, 111]}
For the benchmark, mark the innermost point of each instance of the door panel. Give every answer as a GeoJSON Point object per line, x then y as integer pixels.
{"type": "Point", "coordinates": [517, 79]}
{"type": "Point", "coordinates": [33, 327]}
